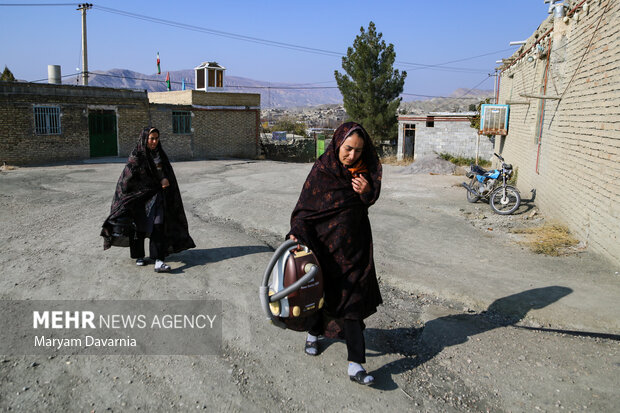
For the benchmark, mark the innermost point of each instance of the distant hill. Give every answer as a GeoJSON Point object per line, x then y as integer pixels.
{"type": "Point", "coordinates": [281, 95]}
{"type": "Point", "coordinates": [273, 95]}
{"type": "Point", "coordinates": [458, 101]}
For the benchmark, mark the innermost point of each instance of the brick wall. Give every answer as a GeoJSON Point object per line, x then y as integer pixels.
{"type": "Point", "coordinates": [574, 163]}
{"type": "Point", "coordinates": [216, 132]}
{"type": "Point", "coordinates": [197, 97]}
{"type": "Point", "coordinates": [228, 126]}
{"type": "Point", "coordinates": [177, 146]}
{"type": "Point", "coordinates": [227, 133]}
{"type": "Point", "coordinates": [20, 145]}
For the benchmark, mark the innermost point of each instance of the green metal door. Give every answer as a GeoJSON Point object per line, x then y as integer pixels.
{"type": "Point", "coordinates": [102, 133]}
{"type": "Point", "coordinates": [320, 145]}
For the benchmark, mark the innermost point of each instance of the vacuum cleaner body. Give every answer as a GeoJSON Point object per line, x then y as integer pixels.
{"type": "Point", "coordinates": [292, 289]}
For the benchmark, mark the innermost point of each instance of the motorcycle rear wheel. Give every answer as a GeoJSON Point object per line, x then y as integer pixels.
{"type": "Point", "coordinates": [505, 205]}
{"type": "Point", "coordinates": [473, 184]}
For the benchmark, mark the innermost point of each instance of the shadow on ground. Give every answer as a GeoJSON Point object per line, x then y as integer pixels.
{"type": "Point", "coordinates": [193, 257]}
{"type": "Point", "coordinates": [419, 345]}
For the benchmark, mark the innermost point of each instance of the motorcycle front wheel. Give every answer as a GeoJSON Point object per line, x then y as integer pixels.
{"type": "Point", "coordinates": [505, 201]}
{"type": "Point", "coordinates": [473, 184]}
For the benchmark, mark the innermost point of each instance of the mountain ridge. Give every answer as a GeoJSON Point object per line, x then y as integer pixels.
{"type": "Point", "coordinates": [273, 94]}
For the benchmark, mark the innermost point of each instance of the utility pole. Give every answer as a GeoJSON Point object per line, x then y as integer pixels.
{"type": "Point", "coordinates": [83, 7]}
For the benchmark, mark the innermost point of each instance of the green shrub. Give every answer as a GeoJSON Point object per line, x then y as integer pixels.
{"type": "Point", "coordinates": [461, 161]}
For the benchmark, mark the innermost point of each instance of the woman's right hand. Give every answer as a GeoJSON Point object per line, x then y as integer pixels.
{"type": "Point", "coordinates": [293, 237]}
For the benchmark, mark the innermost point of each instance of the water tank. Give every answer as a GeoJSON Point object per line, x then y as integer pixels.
{"type": "Point", "coordinates": [53, 74]}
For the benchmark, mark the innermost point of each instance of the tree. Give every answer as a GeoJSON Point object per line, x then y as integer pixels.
{"type": "Point", "coordinates": [7, 76]}
{"type": "Point", "coordinates": [474, 121]}
{"type": "Point", "coordinates": [370, 87]}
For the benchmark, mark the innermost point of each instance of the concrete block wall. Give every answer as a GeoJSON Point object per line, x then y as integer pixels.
{"type": "Point", "coordinates": [453, 136]}
{"type": "Point", "coordinates": [576, 168]}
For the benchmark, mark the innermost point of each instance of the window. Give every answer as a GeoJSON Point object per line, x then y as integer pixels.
{"type": "Point", "coordinates": [47, 120]}
{"type": "Point", "coordinates": [430, 122]}
{"type": "Point", "coordinates": [182, 122]}
{"type": "Point", "coordinates": [409, 129]}
{"type": "Point", "coordinates": [200, 78]}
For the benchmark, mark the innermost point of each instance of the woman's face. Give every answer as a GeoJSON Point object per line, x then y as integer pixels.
{"type": "Point", "coordinates": [351, 149]}
{"type": "Point", "coordinates": [152, 140]}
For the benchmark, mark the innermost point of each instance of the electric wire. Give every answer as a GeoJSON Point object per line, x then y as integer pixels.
{"type": "Point", "coordinates": [39, 4]}
{"type": "Point", "coordinates": [171, 23]}
{"type": "Point", "coordinates": [587, 49]}
{"type": "Point", "coordinates": [290, 46]}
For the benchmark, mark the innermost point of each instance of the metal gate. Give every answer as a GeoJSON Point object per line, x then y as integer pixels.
{"type": "Point", "coordinates": [320, 145]}
{"type": "Point", "coordinates": [102, 133]}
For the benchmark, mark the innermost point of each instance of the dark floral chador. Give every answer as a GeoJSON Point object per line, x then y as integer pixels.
{"type": "Point", "coordinates": [332, 219]}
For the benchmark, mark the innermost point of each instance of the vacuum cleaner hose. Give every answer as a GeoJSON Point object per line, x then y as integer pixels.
{"type": "Point", "coordinates": [263, 290]}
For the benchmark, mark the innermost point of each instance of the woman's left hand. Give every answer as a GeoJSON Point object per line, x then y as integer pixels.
{"type": "Point", "coordinates": [360, 185]}
{"type": "Point", "coordinates": [165, 183]}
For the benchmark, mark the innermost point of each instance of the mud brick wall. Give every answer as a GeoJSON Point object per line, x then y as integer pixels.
{"type": "Point", "coordinates": [573, 163]}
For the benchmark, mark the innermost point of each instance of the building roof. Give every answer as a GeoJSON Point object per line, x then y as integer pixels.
{"type": "Point", "coordinates": [210, 65]}
{"type": "Point", "coordinates": [442, 116]}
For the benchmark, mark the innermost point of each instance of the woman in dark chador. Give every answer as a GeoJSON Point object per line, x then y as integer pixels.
{"type": "Point", "coordinates": [331, 217]}
{"type": "Point", "coordinates": [147, 203]}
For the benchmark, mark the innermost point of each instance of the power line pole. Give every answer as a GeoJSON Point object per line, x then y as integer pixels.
{"type": "Point", "coordinates": [83, 7]}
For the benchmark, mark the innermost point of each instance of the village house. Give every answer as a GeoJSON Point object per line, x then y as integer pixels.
{"type": "Point", "coordinates": [563, 138]}
{"type": "Point", "coordinates": [42, 123]}
{"type": "Point", "coordinates": [441, 132]}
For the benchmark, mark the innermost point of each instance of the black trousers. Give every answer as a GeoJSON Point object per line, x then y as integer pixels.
{"type": "Point", "coordinates": [157, 244]}
{"type": "Point", "coordinates": [353, 335]}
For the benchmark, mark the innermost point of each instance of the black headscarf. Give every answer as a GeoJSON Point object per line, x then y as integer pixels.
{"type": "Point", "coordinates": [332, 219]}
{"type": "Point", "coordinates": [140, 182]}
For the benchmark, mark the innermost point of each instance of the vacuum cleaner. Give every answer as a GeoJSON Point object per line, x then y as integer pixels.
{"type": "Point", "coordinates": [292, 287]}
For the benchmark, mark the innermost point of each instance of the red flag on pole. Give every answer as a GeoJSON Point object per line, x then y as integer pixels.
{"type": "Point", "coordinates": [168, 80]}
{"type": "Point", "coordinates": [158, 67]}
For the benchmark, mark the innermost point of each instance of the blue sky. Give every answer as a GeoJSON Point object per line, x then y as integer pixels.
{"type": "Point", "coordinates": [423, 32]}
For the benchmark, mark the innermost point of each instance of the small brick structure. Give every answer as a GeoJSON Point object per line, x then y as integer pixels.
{"type": "Point", "coordinates": [563, 88]}
{"type": "Point", "coordinates": [44, 123]}
{"type": "Point", "coordinates": [435, 133]}
{"type": "Point", "coordinates": [224, 124]}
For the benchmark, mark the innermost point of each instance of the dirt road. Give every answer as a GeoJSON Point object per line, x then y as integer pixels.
{"type": "Point", "coordinates": [471, 321]}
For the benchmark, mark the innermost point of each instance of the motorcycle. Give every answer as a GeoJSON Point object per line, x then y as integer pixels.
{"type": "Point", "coordinates": [492, 185]}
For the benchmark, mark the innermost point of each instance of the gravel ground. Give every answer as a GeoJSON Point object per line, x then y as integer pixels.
{"type": "Point", "coordinates": [429, 351]}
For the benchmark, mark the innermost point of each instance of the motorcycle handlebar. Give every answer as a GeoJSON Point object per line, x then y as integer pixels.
{"type": "Point", "coordinates": [499, 157]}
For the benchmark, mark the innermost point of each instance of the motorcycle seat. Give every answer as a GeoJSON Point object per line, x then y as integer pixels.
{"type": "Point", "coordinates": [478, 170]}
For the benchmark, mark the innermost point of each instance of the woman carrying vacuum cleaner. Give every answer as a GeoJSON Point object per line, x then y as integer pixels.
{"type": "Point", "coordinates": [147, 203]}
{"type": "Point", "coordinates": [331, 218]}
